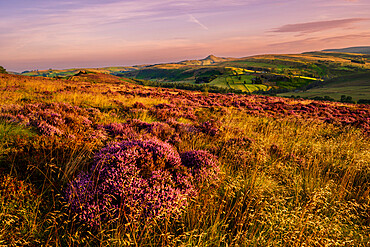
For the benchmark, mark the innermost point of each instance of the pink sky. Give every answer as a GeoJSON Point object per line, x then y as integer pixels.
{"type": "Point", "coordinates": [44, 34]}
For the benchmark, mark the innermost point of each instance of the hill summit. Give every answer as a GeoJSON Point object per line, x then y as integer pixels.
{"type": "Point", "coordinates": [211, 59]}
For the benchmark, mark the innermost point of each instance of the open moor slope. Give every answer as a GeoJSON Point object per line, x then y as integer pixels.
{"type": "Point", "coordinates": [98, 160]}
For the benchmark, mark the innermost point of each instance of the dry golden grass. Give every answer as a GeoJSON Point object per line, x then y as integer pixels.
{"type": "Point", "coordinates": [297, 182]}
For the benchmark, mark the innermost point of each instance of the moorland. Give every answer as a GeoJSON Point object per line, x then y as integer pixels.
{"type": "Point", "coordinates": [110, 157]}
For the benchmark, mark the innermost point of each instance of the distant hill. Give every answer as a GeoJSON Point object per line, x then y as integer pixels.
{"type": "Point", "coordinates": [358, 49]}
{"type": "Point", "coordinates": [211, 59]}
{"type": "Point", "coordinates": [265, 74]}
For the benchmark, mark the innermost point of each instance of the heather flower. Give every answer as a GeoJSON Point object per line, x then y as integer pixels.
{"type": "Point", "coordinates": [8, 117]}
{"type": "Point", "coordinates": [209, 128]}
{"type": "Point", "coordinates": [98, 134]}
{"type": "Point", "coordinates": [139, 105]}
{"type": "Point", "coordinates": [160, 130]}
{"type": "Point", "coordinates": [182, 128]}
{"type": "Point", "coordinates": [93, 111]}
{"type": "Point", "coordinates": [48, 129]}
{"type": "Point", "coordinates": [50, 119]}
{"type": "Point", "coordinates": [119, 130]}
{"type": "Point", "coordinates": [140, 179]}
{"type": "Point", "coordinates": [203, 166]}
{"type": "Point", "coordinates": [23, 119]}
{"type": "Point", "coordinates": [138, 124]}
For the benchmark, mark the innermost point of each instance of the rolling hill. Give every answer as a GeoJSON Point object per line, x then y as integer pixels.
{"type": "Point", "coordinates": [267, 74]}
{"type": "Point", "coordinates": [356, 86]}
{"type": "Point", "coordinates": [357, 49]}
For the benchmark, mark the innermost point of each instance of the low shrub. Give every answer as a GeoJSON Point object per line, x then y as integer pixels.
{"type": "Point", "coordinates": [140, 179]}
{"type": "Point", "coordinates": [203, 166]}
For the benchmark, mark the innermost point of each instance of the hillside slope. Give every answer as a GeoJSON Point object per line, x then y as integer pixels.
{"type": "Point", "coordinates": [94, 160]}
{"type": "Point", "coordinates": [358, 49]}
{"type": "Point", "coordinates": [356, 86]}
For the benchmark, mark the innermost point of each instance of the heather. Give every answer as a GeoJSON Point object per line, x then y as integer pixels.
{"type": "Point", "coordinates": [113, 163]}
{"type": "Point", "coordinates": [131, 180]}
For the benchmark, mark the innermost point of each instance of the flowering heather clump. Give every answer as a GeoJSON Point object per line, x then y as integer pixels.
{"type": "Point", "coordinates": [93, 111]}
{"type": "Point", "coordinates": [209, 128]}
{"type": "Point", "coordinates": [203, 165]}
{"type": "Point", "coordinates": [131, 180]}
{"type": "Point", "coordinates": [50, 119]}
{"type": "Point", "coordinates": [121, 130]}
{"type": "Point", "coordinates": [182, 128]}
{"type": "Point", "coordinates": [48, 129]}
{"type": "Point", "coordinates": [167, 111]}
{"type": "Point", "coordinates": [160, 130]}
{"type": "Point", "coordinates": [139, 105]}
{"type": "Point", "coordinates": [138, 124]}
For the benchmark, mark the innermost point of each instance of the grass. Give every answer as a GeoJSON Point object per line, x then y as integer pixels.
{"type": "Point", "coordinates": [9, 130]}
{"type": "Point", "coordinates": [239, 82]}
{"type": "Point", "coordinates": [292, 181]}
{"type": "Point", "coordinates": [10, 133]}
{"type": "Point", "coordinates": [356, 86]}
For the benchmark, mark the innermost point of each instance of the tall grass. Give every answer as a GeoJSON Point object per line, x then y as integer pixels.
{"type": "Point", "coordinates": [284, 181]}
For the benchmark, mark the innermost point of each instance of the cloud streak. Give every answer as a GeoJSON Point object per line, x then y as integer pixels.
{"type": "Point", "coordinates": [320, 43]}
{"type": "Point", "coordinates": [195, 20]}
{"type": "Point", "coordinates": [318, 26]}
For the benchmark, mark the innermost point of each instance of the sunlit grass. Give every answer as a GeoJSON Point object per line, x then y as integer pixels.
{"type": "Point", "coordinates": [285, 181]}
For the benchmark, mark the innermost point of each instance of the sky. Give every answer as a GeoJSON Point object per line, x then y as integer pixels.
{"type": "Point", "coordinates": [43, 34]}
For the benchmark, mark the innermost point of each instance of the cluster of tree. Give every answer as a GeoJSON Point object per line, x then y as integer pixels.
{"type": "Point", "coordinates": [358, 61]}
{"type": "Point", "coordinates": [29, 71]}
{"type": "Point", "coordinates": [257, 80]}
{"type": "Point", "coordinates": [205, 79]}
{"type": "Point", "coordinates": [2, 70]}
{"type": "Point", "coordinates": [325, 98]}
{"type": "Point", "coordinates": [343, 98]}
{"type": "Point", "coordinates": [272, 91]}
{"type": "Point", "coordinates": [363, 101]}
{"type": "Point", "coordinates": [346, 99]}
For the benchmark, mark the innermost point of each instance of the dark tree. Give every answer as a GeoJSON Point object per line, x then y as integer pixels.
{"type": "Point", "coordinates": [2, 70]}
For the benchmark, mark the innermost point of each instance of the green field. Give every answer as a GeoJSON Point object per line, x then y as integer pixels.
{"type": "Point", "coordinates": [238, 82]}
{"type": "Point", "coordinates": [356, 86]}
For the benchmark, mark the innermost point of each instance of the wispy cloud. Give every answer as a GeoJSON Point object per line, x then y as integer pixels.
{"type": "Point", "coordinates": [325, 41]}
{"type": "Point", "coordinates": [317, 26]}
{"type": "Point", "coordinates": [195, 20]}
